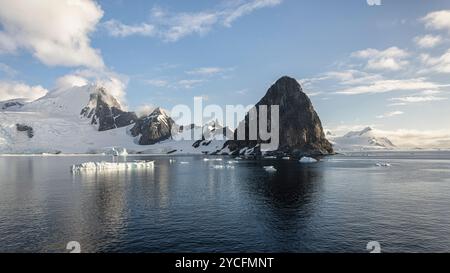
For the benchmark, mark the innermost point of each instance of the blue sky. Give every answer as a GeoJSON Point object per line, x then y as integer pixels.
{"type": "Point", "coordinates": [385, 66]}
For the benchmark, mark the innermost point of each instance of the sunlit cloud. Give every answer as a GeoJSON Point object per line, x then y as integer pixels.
{"type": "Point", "coordinates": [173, 26]}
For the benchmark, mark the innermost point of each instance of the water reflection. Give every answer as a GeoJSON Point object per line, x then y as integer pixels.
{"type": "Point", "coordinates": [336, 205]}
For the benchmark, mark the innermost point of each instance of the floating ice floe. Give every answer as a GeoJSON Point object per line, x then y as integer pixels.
{"type": "Point", "coordinates": [212, 159]}
{"type": "Point", "coordinates": [184, 163]}
{"type": "Point", "coordinates": [383, 164]}
{"type": "Point", "coordinates": [306, 159]}
{"type": "Point", "coordinates": [270, 168]}
{"type": "Point", "coordinates": [221, 167]}
{"type": "Point", "coordinates": [286, 158]}
{"type": "Point", "coordinates": [270, 157]}
{"type": "Point", "coordinates": [232, 161]}
{"type": "Point", "coordinates": [106, 166]}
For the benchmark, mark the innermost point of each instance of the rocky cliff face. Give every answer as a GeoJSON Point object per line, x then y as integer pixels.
{"type": "Point", "coordinates": [106, 112]}
{"type": "Point", "coordinates": [300, 129]}
{"type": "Point", "coordinates": [153, 128]}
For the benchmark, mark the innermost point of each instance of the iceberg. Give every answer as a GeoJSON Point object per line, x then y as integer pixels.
{"type": "Point", "coordinates": [270, 169]}
{"type": "Point", "coordinates": [108, 166]}
{"type": "Point", "coordinates": [306, 160]}
{"type": "Point", "coordinates": [232, 161]}
{"type": "Point", "coordinates": [212, 159]}
{"type": "Point", "coordinates": [221, 167]}
{"type": "Point", "coordinates": [383, 164]}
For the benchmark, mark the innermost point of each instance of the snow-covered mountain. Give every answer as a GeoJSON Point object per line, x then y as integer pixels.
{"type": "Point", "coordinates": [88, 120]}
{"type": "Point", "coordinates": [366, 139]}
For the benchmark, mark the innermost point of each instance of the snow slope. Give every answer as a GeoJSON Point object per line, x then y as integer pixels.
{"type": "Point", "coordinates": [59, 127]}
{"type": "Point", "coordinates": [366, 139]}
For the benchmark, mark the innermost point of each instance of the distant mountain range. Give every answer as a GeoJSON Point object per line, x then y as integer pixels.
{"type": "Point", "coordinates": [366, 139]}
{"type": "Point", "coordinates": [89, 120]}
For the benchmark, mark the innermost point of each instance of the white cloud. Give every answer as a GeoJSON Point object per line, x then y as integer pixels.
{"type": "Point", "coordinates": [56, 32]}
{"type": "Point", "coordinates": [431, 92]}
{"type": "Point", "coordinates": [248, 8]}
{"type": "Point", "coordinates": [208, 71]}
{"type": "Point", "coordinates": [118, 29]}
{"type": "Point", "coordinates": [145, 110]}
{"type": "Point", "coordinates": [390, 114]}
{"type": "Point", "coordinates": [414, 99]}
{"type": "Point", "coordinates": [69, 81]}
{"type": "Point", "coordinates": [15, 90]}
{"type": "Point", "coordinates": [392, 58]}
{"type": "Point", "coordinates": [242, 91]}
{"type": "Point", "coordinates": [188, 84]}
{"type": "Point", "coordinates": [403, 138]}
{"type": "Point", "coordinates": [439, 64]}
{"type": "Point", "coordinates": [114, 83]}
{"type": "Point", "coordinates": [333, 80]}
{"type": "Point", "coordinates": [351, 77]}
{"type": "Point", "coordinates": [439, 20]}
{"type": "Point", "coordinates": [406, 138]}
{"type": "Point", "coordinates": [184, 24]}
{"type": "Point", "coordinates": [384, 86]}
{"type": "Point", "coordinates": [157, 82]}
{"type": "Point", "coordinates": [172, 27]}
{"type": "Point", "coordinates": [428, 41]}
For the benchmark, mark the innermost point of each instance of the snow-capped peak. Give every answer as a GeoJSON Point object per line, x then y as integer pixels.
{"type": "Point", "coordinates": [366, 139]}
{"type": "Point", "coordinates": [366, 131]}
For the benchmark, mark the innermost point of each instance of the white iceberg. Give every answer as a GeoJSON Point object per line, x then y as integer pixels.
{"type": "Point", "coordinates": [221, 167]}
{"type": "Point", "coordinates": [270, 169]}
{"type": "Point", "coordinates": [212, 159]}
{"type": "Point", "coordinates": [232, 161]}
{"type": "Point", "coordinates": [306, 160]}
{"type": "Point", "coordinates": [107, 166]}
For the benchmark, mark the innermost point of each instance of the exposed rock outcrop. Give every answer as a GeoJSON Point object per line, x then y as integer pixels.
{"type": "Point", "coordinates": [300, 129]}
{"type": "Point", "coordinates": [25, 128]}
{"type": "Point", "coordinates": [11, 104]}
{"type": "Point", "coordinates": [154, 128]}
{"type": "Point", "coordinates": [105, 111]}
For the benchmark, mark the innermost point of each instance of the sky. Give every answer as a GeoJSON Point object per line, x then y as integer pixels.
{"type": "Point", "coordinates": [385, 66]}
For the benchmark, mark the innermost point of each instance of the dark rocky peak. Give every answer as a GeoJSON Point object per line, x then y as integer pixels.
{"type": "Point", "coordinates": [366, 130]}
{"type": "Point", "coordinates": [300, 129]}
{"type": "Point", "coordinates": [106, 112]}
{"type": "Point", "coordinates": [153, 128]}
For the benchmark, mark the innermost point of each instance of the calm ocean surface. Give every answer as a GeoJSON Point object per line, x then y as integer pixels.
{"type": "Point", "coordinates": [337, 205]}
